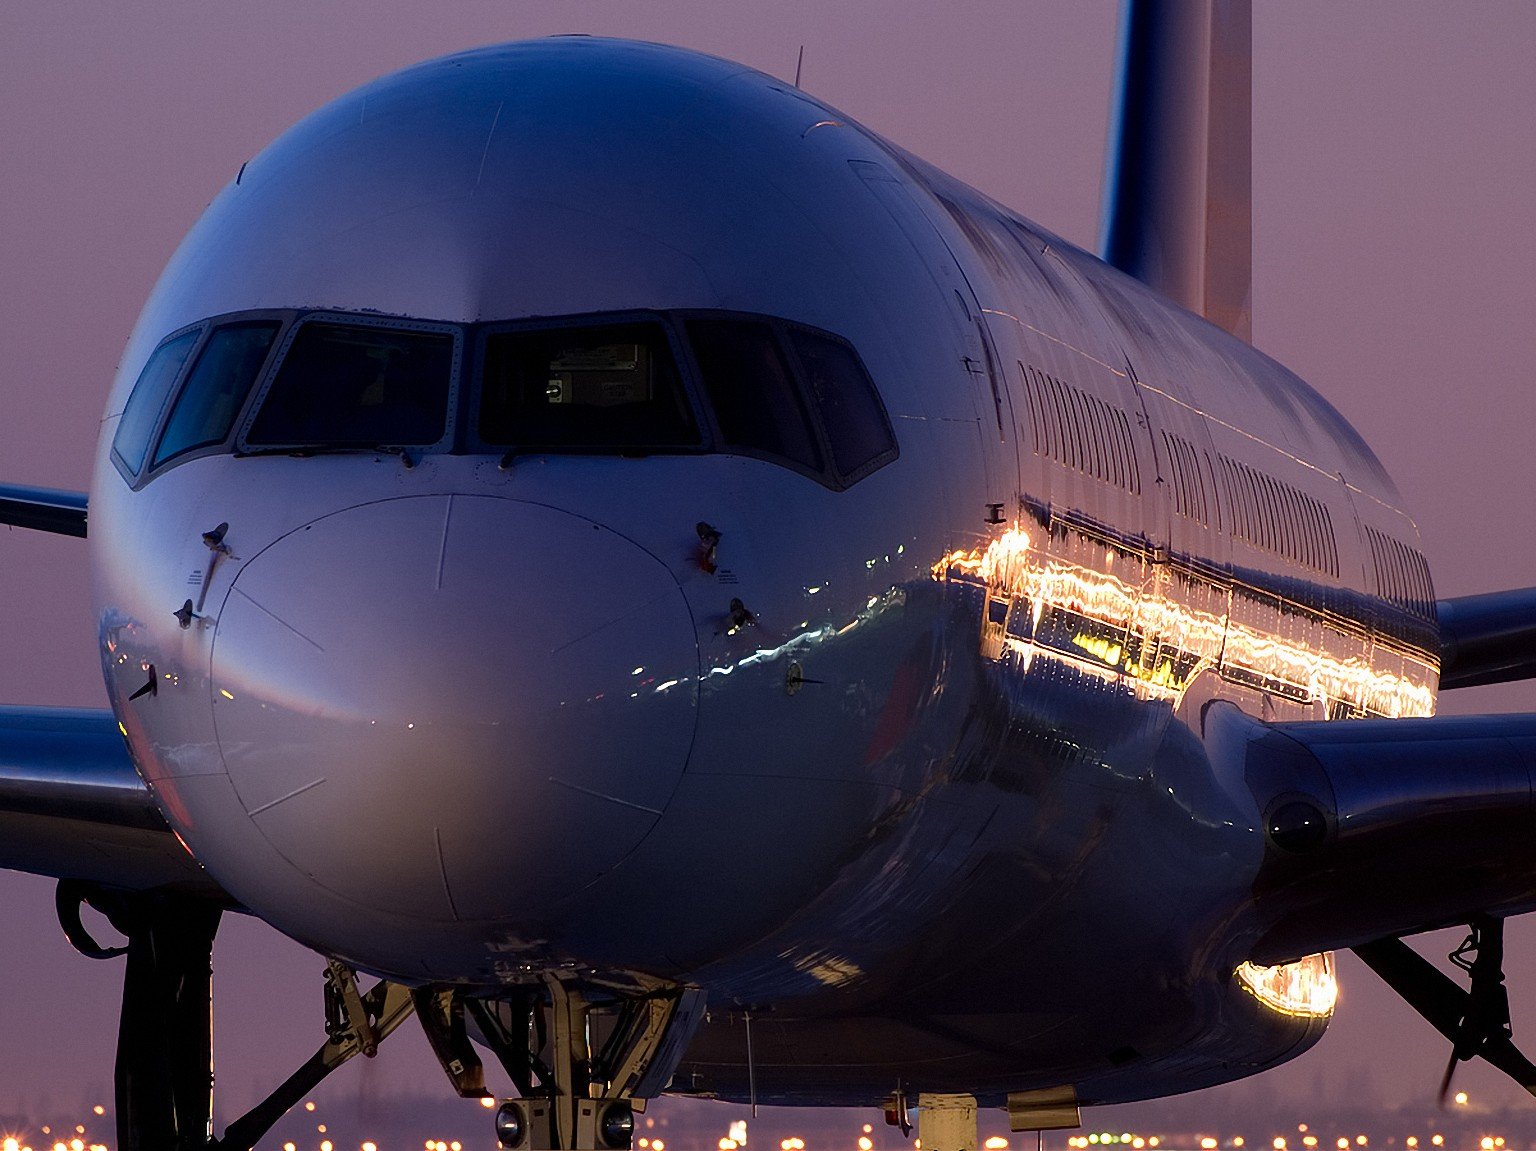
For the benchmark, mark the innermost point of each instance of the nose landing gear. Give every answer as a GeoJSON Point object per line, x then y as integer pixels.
{"type": "Point", "coordinates": [585, 1059]}
{"type": "Point", "coordinates": [584, 1056]}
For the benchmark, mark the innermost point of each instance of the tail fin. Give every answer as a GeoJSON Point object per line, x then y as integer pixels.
{"type": "Point", "coordinates": [1178, 185]}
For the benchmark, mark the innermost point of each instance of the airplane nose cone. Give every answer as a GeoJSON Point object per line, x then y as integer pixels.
{"type": "Point", "coordinates": [454, 707]}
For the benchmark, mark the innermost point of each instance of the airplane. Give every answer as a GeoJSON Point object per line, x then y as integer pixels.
{"type": "Point", "coordinates": [1160, 602]}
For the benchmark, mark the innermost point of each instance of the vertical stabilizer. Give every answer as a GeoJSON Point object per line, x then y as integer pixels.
{"type": "Point", "coordinates": [1178, 195]}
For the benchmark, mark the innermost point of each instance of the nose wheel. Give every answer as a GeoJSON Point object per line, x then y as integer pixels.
{"type": "Point", "coordinates": [584, 1058]}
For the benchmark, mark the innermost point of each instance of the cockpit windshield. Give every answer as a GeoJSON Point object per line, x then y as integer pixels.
{"type": "Point", "coordinates": [618, 384]}
{"type": "Point", "coordinates": [353, 385]}
{"type": "Point", "coordinates": [605, 386]}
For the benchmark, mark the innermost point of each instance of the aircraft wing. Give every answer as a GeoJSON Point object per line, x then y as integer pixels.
{"type": "Point", "coordinates": [44, 509]}
{"type": "Point", "coordinates": [73, 807]}
{"type": "Point", "coordinates": [1489, 638]}
{"type": "Point", "coordinates": [1376, 828]}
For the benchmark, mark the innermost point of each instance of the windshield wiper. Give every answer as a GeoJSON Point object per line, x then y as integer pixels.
{"type": "Point", "coordinates": [301, 451]}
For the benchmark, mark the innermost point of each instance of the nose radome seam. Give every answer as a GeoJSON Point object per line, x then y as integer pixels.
{"type": "Point", "coordinates": [450, 702]}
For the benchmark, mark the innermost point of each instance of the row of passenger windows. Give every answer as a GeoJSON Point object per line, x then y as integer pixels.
{"type": "Point", "coordinates": [1080, 430]}
{"type": "Point", "coordinates": [1086, 433]}
{"type": "Point", "coordinates": [1188, 483]}
{"type": "Point", "coordinates": [1272, 515]}
{"type": "Point", "coordinates": [629, 385]}
{"type": "Point", "coordinates": [1402, 574]}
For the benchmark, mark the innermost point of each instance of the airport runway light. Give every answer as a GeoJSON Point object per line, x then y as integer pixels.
{"type": "Point", "coordinates": [1362, 1141]}
{"type": "Point", "coordinates": [369, 1146]}
{"type": "Point", "coordinates": [1411, 1142]}
{"type": "Point", "coordinates": [866, 1143]}
{"type": "Point", "coordinates": [996, 1143]}
{"type": "Point", "coordinates": [310, 1105]}
{"type": "Point", "coordinates": [325, 1145]}
{"type": "Point", "coordinates": [1438, 1140]}
{"type": "Point", "coordinates": [1486, 1143]}
{"type": "Point", "coordinates": [290, 1146]}
{"type": "Point", "coordinates": [1207, 1144]}
{"type": "Point", "coordinates": [727, 1145]}
{"type": "Point", "coordinates": [1309, 1140]}
{"type": "Point", "coordinates": [1461, 1098]}
{"type": "Point", "coordinates": [1236, 1142]}
{"type": "Point", "coordinates": [1279, 1143]}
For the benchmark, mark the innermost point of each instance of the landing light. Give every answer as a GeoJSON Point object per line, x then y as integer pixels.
{"type": "Point", "coordinates": [509, 1124]}
{"type": "Point", "coordinates": [1306, 989]}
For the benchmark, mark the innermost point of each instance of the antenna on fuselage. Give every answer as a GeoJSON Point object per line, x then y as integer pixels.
{"type": "Point", "coordinates": [1177, 211]}
{"type": "Point", "coordinates": [799, 60]}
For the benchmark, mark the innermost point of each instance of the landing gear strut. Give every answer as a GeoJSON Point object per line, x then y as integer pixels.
{"type": "Point", "coordinates": [585, 1062]}
{"type": "Point", "coordinates": [1476, 1020]}
{"type": "Point", "coordinates": [165, 1037]}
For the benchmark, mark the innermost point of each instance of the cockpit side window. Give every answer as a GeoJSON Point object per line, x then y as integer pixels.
{"type": "Point", "coordinates": [357, 385]}
{"type": "Point", "coordinates": [216, 389]}
{"type": "Point", "coordinates": [752, 390]}
{"type": "Point", "coordinates": [588, 387]}
{"type": "Point", "coordinates": [142, 413]}
{"type": "Point", "coordinates": [845, 399]}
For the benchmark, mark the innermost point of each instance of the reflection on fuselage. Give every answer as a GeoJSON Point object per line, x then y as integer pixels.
{"type": "Point", "coordinates": [1143, 629]}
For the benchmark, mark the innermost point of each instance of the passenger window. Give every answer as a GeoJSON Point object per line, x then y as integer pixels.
{"type": "Point", "coordinates": [147, 401]}
{"type": "Point", "coordinates": [344, 385]}
{"type": "Point", "coordinates": [752, 391]}
{"type": "Point", "coordinates": [845, 399]}
{"type": "Point", "coordinates": [601, 387]}
{"type": "Point", "coordinates": [216, 389]}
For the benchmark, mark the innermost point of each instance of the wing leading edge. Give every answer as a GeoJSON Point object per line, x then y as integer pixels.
{"type": "Point", "coordinates": [73, 807]}
{"type": "Point", "coordinates": [43, 509]}
{"type": "Point", "coordinates": [1488, 638]}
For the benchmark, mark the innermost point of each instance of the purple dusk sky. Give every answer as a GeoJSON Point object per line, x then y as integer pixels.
{"type": "Point", "coordinates": [1394, 161]}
